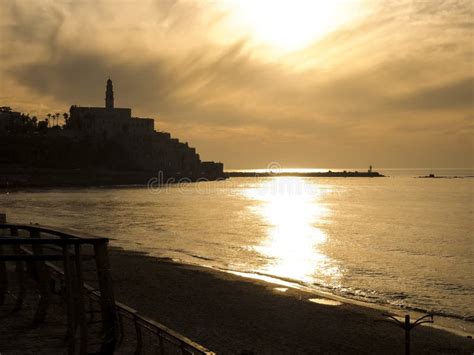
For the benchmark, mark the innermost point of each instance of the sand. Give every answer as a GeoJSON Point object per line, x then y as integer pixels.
{"type": "Point", "coordinates": [229, 314]}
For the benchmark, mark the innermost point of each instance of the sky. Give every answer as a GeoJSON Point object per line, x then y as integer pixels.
{"type": "Point", "coordinates": [301, 83]}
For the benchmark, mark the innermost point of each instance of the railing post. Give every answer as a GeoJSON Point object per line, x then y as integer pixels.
{"type": "Point", "coordinates": [43, 281]}
{"type": "Point", "coordinates": [3, 278]}
{"type": "Point", "coordinates": [81, 329]}
{"type": "Point", "coordinates": [71, 319]}
{"type": "Point", "coordinates": [407, 334]}
{"type": "Point", "coordinates": [161, 344]}
{"type": "Point", "coordinates": [20, 273]}
{"type": "Point", "coordinates": [138, 332]}
{"type": "Point", "coordinates": [107, 299]}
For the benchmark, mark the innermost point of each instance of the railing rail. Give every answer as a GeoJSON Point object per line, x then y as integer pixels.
{"type": "Point", "coordinates": [69, 243]}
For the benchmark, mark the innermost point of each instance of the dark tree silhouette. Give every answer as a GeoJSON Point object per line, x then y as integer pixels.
{"type": "Point", "coordinates": [66, 119]}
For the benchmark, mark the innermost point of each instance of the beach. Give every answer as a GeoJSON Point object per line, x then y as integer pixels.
{"type": "Point", "coordinates": [230, 314]}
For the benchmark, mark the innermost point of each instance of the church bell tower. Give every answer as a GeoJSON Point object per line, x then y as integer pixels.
{"type": "Point", "coordinates": [109, 95]}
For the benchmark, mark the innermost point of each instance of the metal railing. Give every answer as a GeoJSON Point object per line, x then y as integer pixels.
{"type": "Point", "coordinates": [37, 250]}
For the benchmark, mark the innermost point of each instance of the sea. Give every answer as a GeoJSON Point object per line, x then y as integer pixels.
{"type": "Point", "coordinates": [400, 241]}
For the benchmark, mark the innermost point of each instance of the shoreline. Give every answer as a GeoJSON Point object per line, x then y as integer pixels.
{"type": "Point", "coordinates": [21, 178]}
{"type": "Point", "coordinates": [386, 308]}
{"type": "Point", "coordinates": [450, 323]}
{"type": "Point", "coordinates": [64, 179]}
{"type": "Point", "coordinates": [229, 313]}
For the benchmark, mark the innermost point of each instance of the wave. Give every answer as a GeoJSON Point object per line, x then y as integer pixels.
{"type": "Point", "coordinates": [394, 300]}
{"type": "Point", "coordinates": [360, 295]}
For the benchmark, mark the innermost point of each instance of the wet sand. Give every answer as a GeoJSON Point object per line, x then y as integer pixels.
{"type": "Point", "coordinates": [229, 314]}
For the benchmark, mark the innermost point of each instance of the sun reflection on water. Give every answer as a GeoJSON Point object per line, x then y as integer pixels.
{"type": "Point", "coordinates": [292, 210]}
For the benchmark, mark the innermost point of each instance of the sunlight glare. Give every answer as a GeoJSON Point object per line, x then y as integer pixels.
{"type": "Point", "coordinates": [291, 25]}
{"type": "Point", "coordinates": [290, 207]}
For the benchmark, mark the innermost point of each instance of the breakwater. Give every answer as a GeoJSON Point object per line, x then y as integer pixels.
{"type": "Point", "coordinates": [328, 173]}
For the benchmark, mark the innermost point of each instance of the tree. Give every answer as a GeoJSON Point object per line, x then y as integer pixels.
{"type": "Point", "coordinates": [66, 119]}
{"type": "Point", "coordinates": [48, 119]}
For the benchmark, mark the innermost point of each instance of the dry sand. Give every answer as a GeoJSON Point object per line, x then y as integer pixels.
{"type": "Point", "coordinates": [229, 314]}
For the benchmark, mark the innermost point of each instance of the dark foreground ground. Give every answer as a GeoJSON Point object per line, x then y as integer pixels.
{"type": "Point", "coordinates": [229, 315]}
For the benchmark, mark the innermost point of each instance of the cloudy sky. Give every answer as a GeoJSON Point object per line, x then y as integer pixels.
{"type": "Point", "coordinates": [339, 83]}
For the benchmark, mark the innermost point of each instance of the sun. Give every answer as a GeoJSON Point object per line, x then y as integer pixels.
{"type": "Point", "coordinates": [291, 25]}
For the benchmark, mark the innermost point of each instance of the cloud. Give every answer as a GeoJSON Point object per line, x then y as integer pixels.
{"type": "Point", "coordinates": [371, 84]}
{"type": "Point", "coordinates": [450, 96]}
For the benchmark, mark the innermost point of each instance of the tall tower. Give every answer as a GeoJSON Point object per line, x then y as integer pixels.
{"type": "Point", "coordinates": [109, 95]}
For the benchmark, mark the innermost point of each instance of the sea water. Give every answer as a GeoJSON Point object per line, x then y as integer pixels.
{"type": "Point", "coordinates": [399, 241]}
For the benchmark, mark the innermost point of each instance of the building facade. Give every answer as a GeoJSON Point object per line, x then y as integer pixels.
{"type": "Point", "coordinates": [149, 149]}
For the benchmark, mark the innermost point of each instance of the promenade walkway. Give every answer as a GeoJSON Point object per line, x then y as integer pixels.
{"type": "Point", "coordinates": [57, 297]}
{"type": "Point", "coordinates": [18, 333]}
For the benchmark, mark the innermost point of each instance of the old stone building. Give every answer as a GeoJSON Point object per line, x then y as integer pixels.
{"type": "Point", "coordinates": [149, 149]}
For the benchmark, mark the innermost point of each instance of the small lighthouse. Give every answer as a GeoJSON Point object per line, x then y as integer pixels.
{"type": "Point", "coordinates": [109, 95]}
